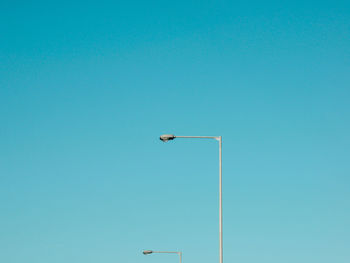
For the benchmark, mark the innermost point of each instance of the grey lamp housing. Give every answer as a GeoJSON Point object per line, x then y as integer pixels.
{"type": "Point", "coordinates": [167, 137]}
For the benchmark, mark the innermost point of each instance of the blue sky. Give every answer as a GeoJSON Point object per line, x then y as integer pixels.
{"type": "Point", "coordinates": [87, 88]}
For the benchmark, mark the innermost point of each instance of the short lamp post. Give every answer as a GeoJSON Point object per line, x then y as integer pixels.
{"type": "Point", "coordinates": [148, 252]}
{"type": "Point", "coordinates": [169, 137]}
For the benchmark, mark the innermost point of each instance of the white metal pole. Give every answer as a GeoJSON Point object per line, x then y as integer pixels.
{"type": "Point", "coordinates": [220, 201]}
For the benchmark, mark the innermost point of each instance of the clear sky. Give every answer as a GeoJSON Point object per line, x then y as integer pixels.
{"type": "Point", "coordinates": [87, 87]}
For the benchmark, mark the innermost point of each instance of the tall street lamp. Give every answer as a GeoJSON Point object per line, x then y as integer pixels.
{"type": "Point", "coordinates": [147, 252]}
{"type": "Point", "coordinates": [169, 137]}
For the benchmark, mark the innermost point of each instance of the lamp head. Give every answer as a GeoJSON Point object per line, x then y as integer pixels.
{"type": "Point", "coordinates": [147, 252]}
{"type": "Point", "coordinates": [167, 137]}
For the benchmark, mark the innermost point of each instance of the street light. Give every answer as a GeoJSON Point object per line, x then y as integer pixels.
{"type": "Point", "coordinates": [148, 252]}
{"type": "Point", "coordinates": [168, 137]}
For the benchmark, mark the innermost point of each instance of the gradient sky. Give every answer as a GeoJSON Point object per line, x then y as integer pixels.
{"type": "Point", "coordinates": [87, 87]}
